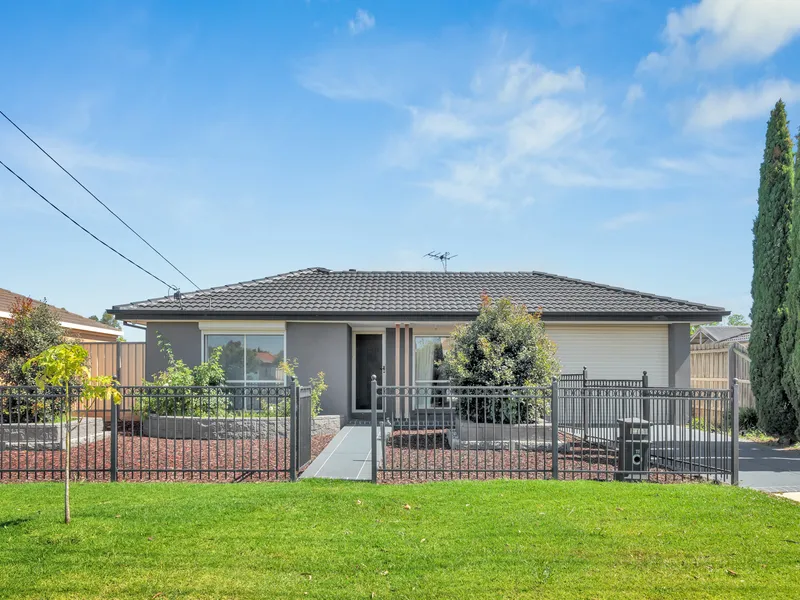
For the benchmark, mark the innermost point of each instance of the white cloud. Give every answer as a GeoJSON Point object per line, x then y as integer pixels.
{"type": "Point", "coordinates": [626, 220]}
{"type": "Point", "coordinates": [634, 94]}
{"type": "Point", "coordinates": [441, 125]}
{"type": "Point", "coordinates": [712, 33]}
{"type": "Point", "coordinates": [526, 81]}
{"type": "Point", "coordinates": [719, 107]}
{"type": "Point", "coordinates": [362, 22]}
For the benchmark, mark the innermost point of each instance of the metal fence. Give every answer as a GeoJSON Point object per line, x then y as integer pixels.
{"type": "Point", "coordinates": [604, 432]}
{"type": "Point", "coordinates": [157, 433]}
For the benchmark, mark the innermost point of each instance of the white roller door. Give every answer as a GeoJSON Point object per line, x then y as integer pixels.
{"type": "Point", "coordinates": [613, 351]}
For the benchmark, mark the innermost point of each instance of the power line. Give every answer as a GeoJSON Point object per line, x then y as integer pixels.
{"type": "Point", "coordinates": [103, 204]}
{"type": "Point", "coordinates": [117, 252]}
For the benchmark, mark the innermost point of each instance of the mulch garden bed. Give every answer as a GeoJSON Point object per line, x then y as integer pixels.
{"type": "Point", "coordinates": [414, 456]}
{"type": "Point", "coordinates": [142, 458]}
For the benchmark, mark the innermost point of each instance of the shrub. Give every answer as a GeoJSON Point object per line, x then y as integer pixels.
{"type": "Point", "coordinates": [317, 384]}
{"type": "Point", "coordinates": [171, 390]}
{"type": "Point", "coordinates": [748, 418]}
{"type": "Point", "coordinates": [504, 346]}
{"type": "Point", "coordinates": [32, 329]}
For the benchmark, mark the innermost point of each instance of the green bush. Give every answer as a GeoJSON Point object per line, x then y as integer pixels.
{"type": "Point", "coordinates": [504, 346]}
{"type": "Point", "coordinates": [170, 392]}
{"type": "Point", "coordinates": [748, 419]}
{"type": "Point", "coordinates": [32, 329]}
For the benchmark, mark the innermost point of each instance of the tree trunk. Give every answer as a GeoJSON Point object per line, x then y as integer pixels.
{"type": "Point", "coordinates": [68, 444]}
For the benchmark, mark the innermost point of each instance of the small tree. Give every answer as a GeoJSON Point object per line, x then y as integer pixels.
{"type": "Point", "coordinates": [65, 366]}
{"type": "Point", "coordinates": [31, 329]}
{"type": "Point", "coordinates": [317, 384]}
{"type": "Point", "coordinates": [505, 346]}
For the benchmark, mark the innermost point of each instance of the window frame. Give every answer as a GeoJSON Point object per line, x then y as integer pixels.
{"type": "Point", "coordinates": [209, 329]}
{"type": "Point", "coordinates": [425, 383]}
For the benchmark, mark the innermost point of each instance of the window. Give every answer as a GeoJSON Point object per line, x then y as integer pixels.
{"type": "Point", "coordinates": [429, 351]}
{"type": "Point", "coordinates": [249, 359]}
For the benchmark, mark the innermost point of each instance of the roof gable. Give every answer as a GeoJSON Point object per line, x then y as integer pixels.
{"type": "Point", "coordinates": [67, 318]}
{"type": "Point", "coordinates": [318, 291]}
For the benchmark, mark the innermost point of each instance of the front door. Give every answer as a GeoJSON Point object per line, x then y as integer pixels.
{"type": "Point", "coordinates": [369, 362]}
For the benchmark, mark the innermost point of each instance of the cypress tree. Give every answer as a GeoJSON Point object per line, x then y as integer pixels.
{"type": "Point", "coordinates": [791, 339]}
{"type": "Point", "coordinates": [770, 277]}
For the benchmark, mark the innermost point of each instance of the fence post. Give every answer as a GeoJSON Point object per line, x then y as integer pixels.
{"type": "Point", "coordinates": [293, 437]}
{"type": "Point", "coordinates": [115, 418]}
{"type": "Point", "coordinates": [585, 401]}
{"type": "Point", "coordinates": [732, 374]}
{"type": "Point", "coordinates": [735, 435]}
{"type": "Point", "coordinates": [554, 425]}
{"type": "Point", "coordinates": [114, 439]}
{"type": "Point", "coordinates": [645, 398]}
{"type": "Point", "coordinates": [374, 426]}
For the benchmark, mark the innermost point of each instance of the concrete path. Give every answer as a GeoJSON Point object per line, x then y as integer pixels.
{"type": "Point", "coordinates": [768, 468]}
{"type": "Point", "coordinates": [347, 456]}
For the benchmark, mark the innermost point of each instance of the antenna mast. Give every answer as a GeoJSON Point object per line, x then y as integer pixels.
{"type": "Point", "coordinates": [442, 257]}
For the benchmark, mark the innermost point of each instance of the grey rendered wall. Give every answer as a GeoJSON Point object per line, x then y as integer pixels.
{"type": "Point", "coordinates": [323, 347]}
{"type": "Point", "coordinates": [390, 356]}
{"type": "Point", "coordinates": [185, 340]}
{"type": "Point", "coordinates": [679, 365]}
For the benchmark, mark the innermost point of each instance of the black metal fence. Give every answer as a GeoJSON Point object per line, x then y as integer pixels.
{"type": "Point", "coordinates": [605, 432]}
{"type": "Point", "coordinates": [156, 433]}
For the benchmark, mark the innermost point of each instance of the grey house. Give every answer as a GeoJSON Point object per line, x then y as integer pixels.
{"type": "Point", "coordinates": [352, 324]}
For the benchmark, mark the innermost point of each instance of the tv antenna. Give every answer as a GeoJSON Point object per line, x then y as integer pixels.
{"type": "Point", "coordinates": [442, 257]}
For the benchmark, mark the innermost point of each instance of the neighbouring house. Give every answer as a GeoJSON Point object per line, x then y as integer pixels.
{"type": "Point", "coordinates": [78, 328]}
{"type": "Point", "coordinates": [353, 324]}
{"type": "Point", "coordinates": [722, 334]}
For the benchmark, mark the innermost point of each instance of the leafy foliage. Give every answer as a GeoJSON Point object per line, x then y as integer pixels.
{"type": "Point", "coordinates": [748, 419]}
{"type": "Point", "coordinates": [107, 319]}
{"type": "Point", "coordinates": [317, 384]}
{"type": "Point", "coordinates": [791, 329]}
{"type": "Point", "coordinates": [504, 346]}
{"type": "Point", "coordinates": [61, 366]}
{"type": "Point", "coordinates": [175, 394]}
{"type": "Point", "coordinates": [32, 329]}
{"type": "Point", "coordinates": [769, 344]}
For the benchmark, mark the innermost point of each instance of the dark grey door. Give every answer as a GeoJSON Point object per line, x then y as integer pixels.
{"type": "Point", "coordinates": [369, 360]}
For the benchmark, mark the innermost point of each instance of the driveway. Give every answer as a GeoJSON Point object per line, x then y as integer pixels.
{"type": "Point", "coordinates": [768, 468]}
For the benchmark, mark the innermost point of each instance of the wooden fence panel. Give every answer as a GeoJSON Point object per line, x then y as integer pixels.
{"type": "Point", "coordinates": [715, 366]}
{"type": "Point", "coordinates": [103, 361]}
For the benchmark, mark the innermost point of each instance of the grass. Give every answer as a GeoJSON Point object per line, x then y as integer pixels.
{"type": "Point", "coordinates": [323, 539]}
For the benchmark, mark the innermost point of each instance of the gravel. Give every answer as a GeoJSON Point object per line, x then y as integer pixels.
{"type": "Point", "coordinates": [153, 459]}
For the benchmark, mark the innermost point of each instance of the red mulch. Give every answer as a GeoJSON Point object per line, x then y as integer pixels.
{"type": "Point", "coordinates": [415, 456]}
{"type": "Point", "coordinates": [142, 458]}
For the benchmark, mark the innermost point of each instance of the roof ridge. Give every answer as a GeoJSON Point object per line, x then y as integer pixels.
{"type": "Point", "coordinates": [553, 276]}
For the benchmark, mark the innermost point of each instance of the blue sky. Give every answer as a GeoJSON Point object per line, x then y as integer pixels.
{"type": "Point", "coordinates": [611, 140]}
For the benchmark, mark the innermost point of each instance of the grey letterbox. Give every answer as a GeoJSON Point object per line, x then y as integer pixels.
{"type": "Point", "coordinates": [633, 459]}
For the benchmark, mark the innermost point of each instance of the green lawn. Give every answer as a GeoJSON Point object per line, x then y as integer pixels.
{"type": "Point", "coordinates": [441, 540]}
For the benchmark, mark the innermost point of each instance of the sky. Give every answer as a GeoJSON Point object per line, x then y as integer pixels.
{"type": "Point", "coordinates": [616, 141]}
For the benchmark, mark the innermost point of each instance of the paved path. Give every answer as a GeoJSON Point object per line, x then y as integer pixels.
{"type": "Point", "coordinates": [768, 468]}
{"type": "Point", "coordinates": [347, 456]}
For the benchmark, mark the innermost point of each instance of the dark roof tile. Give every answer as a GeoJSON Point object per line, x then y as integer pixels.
{"type": "Point", "coordinates": [318, 290]}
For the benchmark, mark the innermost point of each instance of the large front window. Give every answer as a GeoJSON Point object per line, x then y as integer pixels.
{"type": "Point", "coordinates": [429, 351]}
{"type": "Point", "coordinates": [249, 359]}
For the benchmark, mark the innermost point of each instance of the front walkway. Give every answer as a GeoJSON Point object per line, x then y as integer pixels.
{"type": "Point", "coordinates": [347, 456]}
{"type": "Point", "coordinates": [768, 468]}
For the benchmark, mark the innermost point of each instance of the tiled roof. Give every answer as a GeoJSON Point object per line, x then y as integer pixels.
{"type": "Point", "coordinates": [720, 333]}
{"type": "Point", "coordinates": [323, 292]}
{"type": "Point", "coordinates": [8, 299]}
{"type": "Point", "coordinates": [742, 337]}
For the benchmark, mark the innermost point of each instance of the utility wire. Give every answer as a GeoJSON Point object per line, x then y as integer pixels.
{"type": "Point", "coordinates": [103, 204]}
{"type": "Point", "coordinates": [117, 252]}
